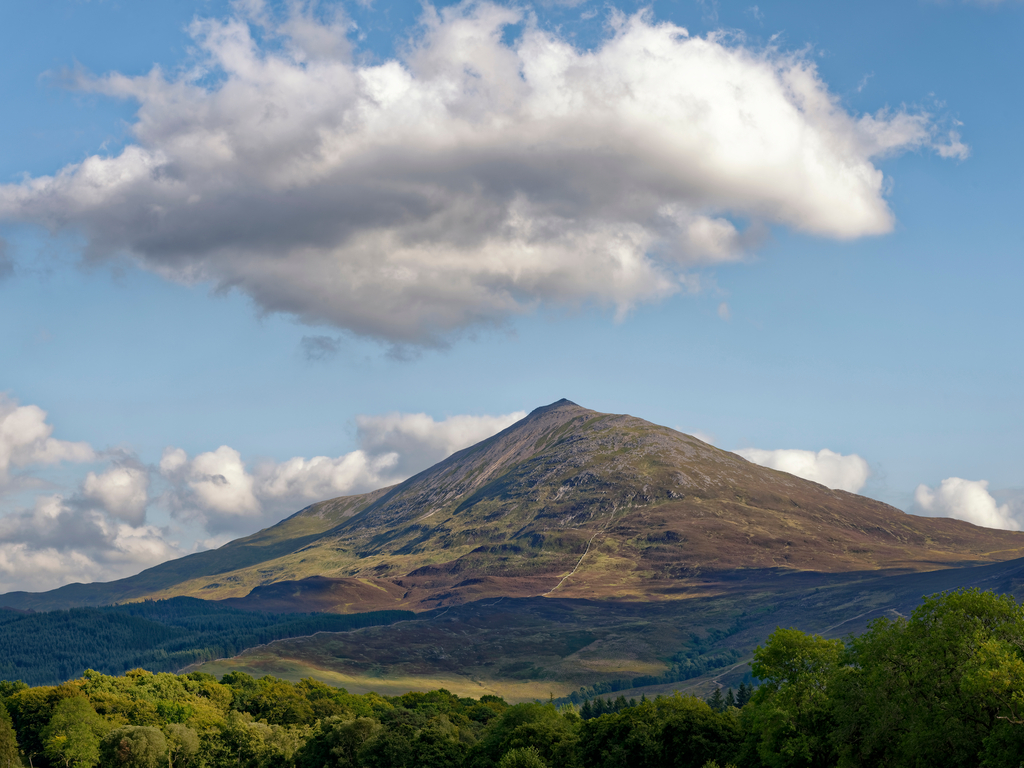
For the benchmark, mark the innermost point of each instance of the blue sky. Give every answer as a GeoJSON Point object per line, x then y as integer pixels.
{"type": "Point", "coordinates": [373, 233]}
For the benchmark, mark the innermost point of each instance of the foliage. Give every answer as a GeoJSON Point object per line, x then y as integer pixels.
{"type": "Point", "coordinates": [790, 724]}
{"type": "Point", "coordinates": [134, 746]}
{"type": "Point", "coordinates": [944, 687]}
{"type": "Point", "coordinates": [72, 737]}
{"type": "Point", "coordinates": [160, 635]}
{"type": "Point", "coordinates": [522, 757]}
{"type": "Point", "coordinates": [939, 688]}
{"type": "Point", "coordinates": [10, 755]}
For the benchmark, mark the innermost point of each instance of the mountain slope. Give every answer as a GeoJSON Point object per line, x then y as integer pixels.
{"type": "Point", "coordinates": [567, 502]}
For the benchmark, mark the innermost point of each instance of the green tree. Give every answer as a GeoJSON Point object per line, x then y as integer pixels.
{"type": "Point", "coordinates": [717, 701]}
{"type": "Point", "coordinates": [10, 755]}
{"type": "Point", "coordinates": [336, 742]}
{"type": "Point", "coordinates": [522, 757]}
{"type": "Point", "coordinates": [72, 737]}
{"type": "Point", "coordinates": [438, 747]}
{"type": "Point", "coordinates": [743, 694]}
{"type": "Point", "coordinates": [182, 745]}
{"type": "Point", "coordinates": [789, 720]}
{"type": "Point", "coordinates": [940, 688]}
{"type": "Point", "coordinates": [630, 738]}
{"type": "Point", "coordinates": [692, 733]}
{"type": "Point", "coordinates": [542, 726]}
{"type": "Point", "coordinates": [134, 746]}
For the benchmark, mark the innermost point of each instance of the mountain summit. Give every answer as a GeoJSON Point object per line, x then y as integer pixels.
{"type": "Point", "coordinates": [567, 502]}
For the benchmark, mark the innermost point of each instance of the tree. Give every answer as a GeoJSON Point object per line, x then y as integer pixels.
{"type": "Point", "coordinates": [522, 757]}
{"type": "Point", "coordinates": [553, 733]}
{"type": "Point", "coordinates": [182, 745]}
{"type": "Point", "coordinates": [627, 738]}
{"type": "Point", "coordinates": [72, 737]}
{"type": "Point", "coordinates": [336, 742]}
{"type": "Point", "coordinates": [134, 746]}
{"type": "Point", "coordinates": [789, 720]}
{"type": "Point", "coordinates": [942, 687]}
{"type": "Point", "coordinates": [743, 694]}
{"type": "Point", "coordinates": [10, 755]}
{"type": "Point", "coordinates": [692, 733]}
{"type": "Point", "coordinates": [717, 701]}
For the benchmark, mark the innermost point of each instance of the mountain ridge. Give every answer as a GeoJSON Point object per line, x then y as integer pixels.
{"type": "Point", "coordinates": [567, 501]}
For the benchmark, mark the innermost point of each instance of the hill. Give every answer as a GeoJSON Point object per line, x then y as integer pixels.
{"type": "Point", "coordinates": [567, 502]}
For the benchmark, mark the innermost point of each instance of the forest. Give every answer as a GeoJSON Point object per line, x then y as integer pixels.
{"type": "Point", "coordinates": [158, 635]}
{"type": "Point", "coordinates": [942, 687]}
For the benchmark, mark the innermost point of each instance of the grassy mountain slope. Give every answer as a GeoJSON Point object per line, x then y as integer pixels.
{"type": "Point", "coordinates": [267, 545]}
{"type": "Point", "coordinates": [566, 503]}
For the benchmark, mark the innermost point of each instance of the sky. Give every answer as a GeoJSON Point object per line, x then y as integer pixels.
{"type": "Point", "coordinates": [256, 254]}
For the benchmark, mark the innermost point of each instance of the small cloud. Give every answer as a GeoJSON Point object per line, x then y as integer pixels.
{"type": "Point", "coordinates": [316, 348]}
{"type": "Point", "coordinates": [967, 500]}
{"type": "Point", "coordinates": [25, 440]}
{"type": "Point", "coordinates": [709, 10]}
{"type": "Point", "coordinates": [723, 311]}
{"type": "Point", "coordinates": [954, 148]}
{"type": "Point", "coordinates": [756, 12]}
{"type": "Point", "coordinates": [847, 473]}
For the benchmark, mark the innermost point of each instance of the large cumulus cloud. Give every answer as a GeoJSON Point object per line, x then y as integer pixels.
{"type": "Point", "coordinates": [835, 470]}
{"type": "Point", "coordinates": [962, 499]}
{"type": "Point", "coordinates": [472, 178]}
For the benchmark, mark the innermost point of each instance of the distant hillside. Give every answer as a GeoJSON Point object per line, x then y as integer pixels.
{"type": "Point", "coordinates": [161, 636]}
{"type": "Point", "coordinates": [566, 503]}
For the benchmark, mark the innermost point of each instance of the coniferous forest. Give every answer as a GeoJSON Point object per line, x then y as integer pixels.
{"type": "Point", "coordinates": [943, 687]}
{"type": "Point", "coordinates": [158, 635]}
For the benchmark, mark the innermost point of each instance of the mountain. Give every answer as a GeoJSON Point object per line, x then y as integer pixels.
{"type": "Point", "coordinates": [566, 503]}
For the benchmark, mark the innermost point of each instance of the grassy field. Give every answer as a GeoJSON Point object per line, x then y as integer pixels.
{"type": "Point", "coordinates": [387, 684]}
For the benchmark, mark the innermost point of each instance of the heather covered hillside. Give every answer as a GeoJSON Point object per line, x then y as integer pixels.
{"type": "Point", "coordinates": [567, 502]}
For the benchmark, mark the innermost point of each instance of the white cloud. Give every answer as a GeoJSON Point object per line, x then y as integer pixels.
{"type": "Point", "coordinates": [123, 491]}
{"type": "Point", "coordinates": [58, 542]}
{"type": "Point", "coordinates": [964, 500]}
{"type": "Point", "coordinates": [219, 490]}
{"type": "Point", "coordinates": [322, 477]}
{"type": "Point", "coordinates": [419, 442]}
{"type": "Point", "coordinates": [214, 486]}
{"type": "Point", "coordinates": [472, 179]}
{"type": "Point", "coordinates": [25, 440]}
{"type": "Point", "coordinates": [834, 470]}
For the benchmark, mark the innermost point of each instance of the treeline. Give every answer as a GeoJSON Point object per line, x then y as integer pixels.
{"type": "Point", "coordinates": [158, 635]}
{"type": "Point", "coordinates": [942, 688]}
{"type": "Point", "coordinates": [684, 669]}
{"type": "Point", "coordinates": [145, 720]}
{"type": "Point", "coordinates": [704, 656]}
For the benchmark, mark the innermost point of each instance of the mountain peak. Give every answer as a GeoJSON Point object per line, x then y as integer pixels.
{"type": "Point", "coordinates": [569, 502]}
{"type": "Point", "coordinates": [563, 403]}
